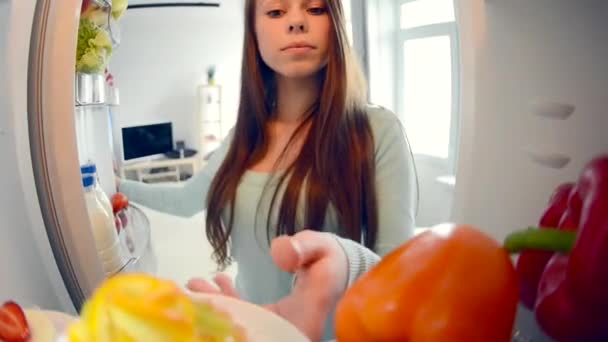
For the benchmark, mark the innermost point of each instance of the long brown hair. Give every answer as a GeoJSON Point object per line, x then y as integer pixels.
{"type": "Point", "coordinates": [336, 161]}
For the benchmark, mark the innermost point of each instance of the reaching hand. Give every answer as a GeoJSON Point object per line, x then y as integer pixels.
{"type": "Point", "coordinates": [321, 271]}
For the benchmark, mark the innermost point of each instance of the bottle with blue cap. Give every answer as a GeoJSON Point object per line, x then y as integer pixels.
{"type": "Point", "coordinates": [91, 169]}
{"type": "Point", "coordinates": [104, 229]}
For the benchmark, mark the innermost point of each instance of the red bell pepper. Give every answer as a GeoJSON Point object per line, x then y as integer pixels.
{"type": "Point", "coordinates": [531, 263]}
{"type": "Point", "coordinates": [572, 299]}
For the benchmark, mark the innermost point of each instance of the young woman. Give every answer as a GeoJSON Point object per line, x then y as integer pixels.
{"type": "Point", "coordinates": [311, 181]}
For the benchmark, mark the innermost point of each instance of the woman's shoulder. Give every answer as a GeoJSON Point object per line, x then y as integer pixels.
{"type": "Point", "coordinates": [382, 120]}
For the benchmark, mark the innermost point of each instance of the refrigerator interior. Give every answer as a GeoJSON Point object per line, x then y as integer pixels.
{"type": "Point", "coordinates": [515, 56]}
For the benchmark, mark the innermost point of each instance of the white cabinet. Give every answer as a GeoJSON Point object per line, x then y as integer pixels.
{"type": "Point", "coordinates": [162, 170]}
{"type": "Point", "coordinates": [209, 117]}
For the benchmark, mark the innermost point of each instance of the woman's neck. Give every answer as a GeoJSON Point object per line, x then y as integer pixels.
{"type": "Point", "coordinates": [294, 97]}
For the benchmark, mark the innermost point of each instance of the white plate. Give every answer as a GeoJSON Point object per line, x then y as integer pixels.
{"type": "Point", "coordinates": [260, 324]}
{"type": "Point", "coordinates": [59, 320]}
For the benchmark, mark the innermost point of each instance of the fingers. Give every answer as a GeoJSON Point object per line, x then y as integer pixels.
{"type": "Point", "coordinates": [225, 284]}
{"type": "Point", "coordinates": [304, 248]}
{"type": "Point", "coordinates": [202, 285]}
{"type": "Point", "coordinates": [221, 284]}
{"type": "Point", "coordinates": [286, 253]}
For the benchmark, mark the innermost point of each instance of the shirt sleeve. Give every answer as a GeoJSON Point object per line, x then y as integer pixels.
{"type": "Point", "coordinates": [396, 186]}
{"type": "Point", "coordinates": [185, 199]}
{"type": "Point", "coordinates": [396, 191]}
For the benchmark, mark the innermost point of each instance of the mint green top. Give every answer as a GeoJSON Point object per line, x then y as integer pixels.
{"type": "Point", "coordinates": [258, 279]}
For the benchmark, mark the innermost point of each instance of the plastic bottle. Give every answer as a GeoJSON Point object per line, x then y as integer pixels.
{"type": "Point", "coordinates": [91, 169]}
{"type": "Point", "coordinates": [104, 231]}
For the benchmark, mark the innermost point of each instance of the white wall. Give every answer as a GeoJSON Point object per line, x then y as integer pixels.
{"type": "Point", "coordinates": [28, 272]}
{"type": "Point", "coordinates": [163, 57]}
{"type": "Point", "coordinates": [551, 49]}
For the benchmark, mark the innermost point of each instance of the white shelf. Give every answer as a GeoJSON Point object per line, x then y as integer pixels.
{"type": "Point", "coordinates": [209, 115]}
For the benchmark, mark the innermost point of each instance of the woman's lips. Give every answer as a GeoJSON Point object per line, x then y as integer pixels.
{"type": "Point", "coordinates": [298, 47]}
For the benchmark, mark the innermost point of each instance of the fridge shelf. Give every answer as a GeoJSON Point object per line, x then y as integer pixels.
{"type": "Point", "coordinates": [135, 239]}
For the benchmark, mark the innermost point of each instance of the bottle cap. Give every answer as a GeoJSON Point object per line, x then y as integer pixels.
{"type": "Point", "coordinates": [88, 169]}
{"type": "Point", "coordinates": [88, 180]}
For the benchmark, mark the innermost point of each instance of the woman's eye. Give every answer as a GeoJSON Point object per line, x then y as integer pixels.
{"type": "Point", "coordinates": [274, 13]}
{"type": "Point", "coordinates": [317, 10]}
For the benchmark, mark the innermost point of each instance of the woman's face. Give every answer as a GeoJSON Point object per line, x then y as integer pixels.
{"type": "Point", "coordinates": [293, 35]}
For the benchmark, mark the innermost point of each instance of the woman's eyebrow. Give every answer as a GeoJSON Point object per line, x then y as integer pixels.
{"type": "Point", "coordinates": [264, 3]}
{"type": "Point", "coordinates": [321, 2]}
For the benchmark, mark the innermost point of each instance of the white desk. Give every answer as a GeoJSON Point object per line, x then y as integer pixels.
{"type": "Point", "coordinates": [175, 168]}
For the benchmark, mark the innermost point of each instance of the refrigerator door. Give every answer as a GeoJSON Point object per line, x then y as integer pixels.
{"type": "Point", "coordinates": [51, 114]}
{"type": "Point", "coordinates": [29, 273]}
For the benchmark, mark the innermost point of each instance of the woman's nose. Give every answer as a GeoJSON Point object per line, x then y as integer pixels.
{"type": "Point", "coordinates": [297, 22]}
{"type": "Point", "coordinates": [293, 28]}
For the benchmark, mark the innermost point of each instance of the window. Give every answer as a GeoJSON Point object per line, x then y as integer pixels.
{"type": "Point", "coordinates": [427, 94]}
{"type": "Point", "coordinates": [426, 12]}
{"type": "Point", "coordinates": [427, 82]}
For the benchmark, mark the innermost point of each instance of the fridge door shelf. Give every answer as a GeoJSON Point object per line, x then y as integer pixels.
{"type": "Point", "coordinates": [135, 239]}
{"type": "Point", "coordinates": [90, 89]}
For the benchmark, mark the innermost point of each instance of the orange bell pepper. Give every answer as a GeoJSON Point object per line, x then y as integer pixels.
{"type": "Point", "coordinates": [451, 283]}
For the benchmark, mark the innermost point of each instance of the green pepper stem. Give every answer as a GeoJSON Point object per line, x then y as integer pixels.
{"type": "Point", "coordinates": [551, 240]}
